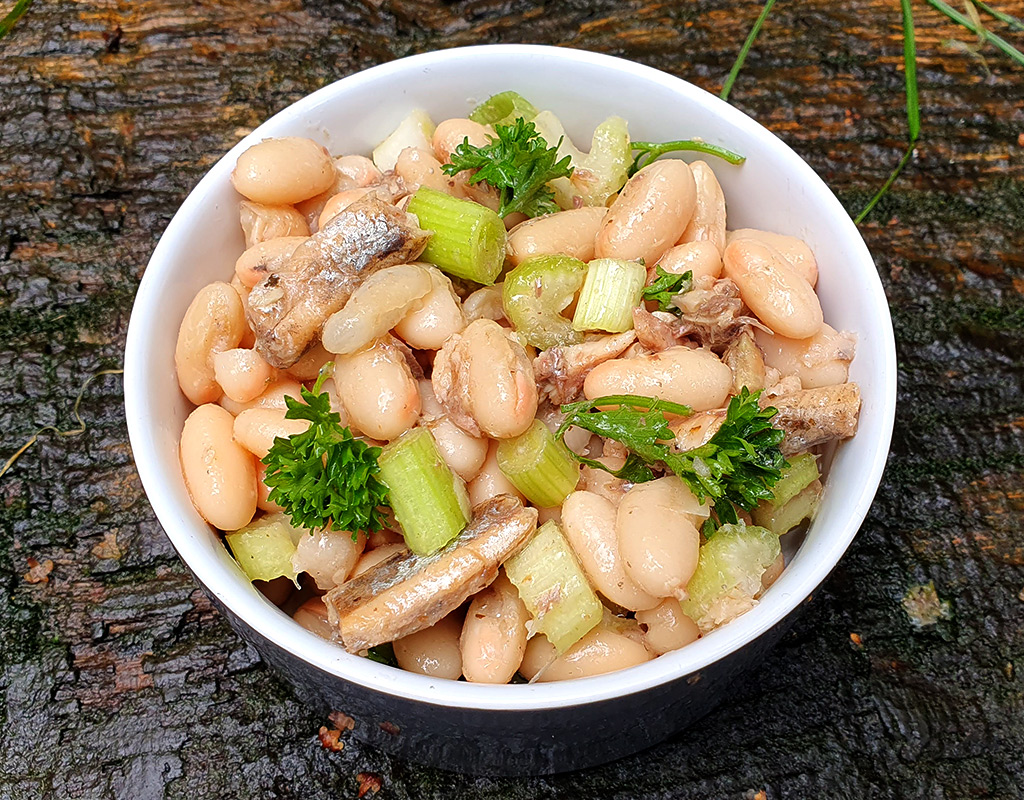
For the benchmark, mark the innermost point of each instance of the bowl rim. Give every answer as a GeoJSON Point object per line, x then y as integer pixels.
{"type": "Point", "coordinates": [254, 611]}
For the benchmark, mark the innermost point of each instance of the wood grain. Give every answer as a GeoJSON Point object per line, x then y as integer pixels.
{"type": "Point", "coordinates": [120, 679]}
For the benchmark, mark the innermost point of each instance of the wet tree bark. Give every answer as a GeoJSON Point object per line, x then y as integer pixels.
{"type": "Point", "coordinates": [121, 681]}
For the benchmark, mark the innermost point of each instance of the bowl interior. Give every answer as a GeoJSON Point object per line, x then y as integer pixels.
{"type": "Point", "coordinates": [774, 190]}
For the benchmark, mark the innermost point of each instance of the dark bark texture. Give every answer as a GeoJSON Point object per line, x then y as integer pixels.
{"type": "Point", "coordinates": [119, 678]}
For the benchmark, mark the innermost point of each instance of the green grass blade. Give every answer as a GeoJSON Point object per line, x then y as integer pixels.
{"type": "Point", "coordinates": [997, 41]}
{"type": "Point", "coordinates": [910, 71]}
{"type": "Point", "coordinates": [885, 187]}
{"type": "Point", "coordinates": [738, 65]}
{"type": "Point", "coordinates": [1014, 23]}
{"type": "Point", "coordinates": [12, 18]}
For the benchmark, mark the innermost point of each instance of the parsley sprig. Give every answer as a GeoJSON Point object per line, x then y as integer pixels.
{"type": "Point", "coordinates": [324, 476]}
{"type": "Point", "coordinates": [518, 163]}
{"type": "Point", "coordinates": [666, 287]}
{"type": "Point", "coordinates": [736, 468]}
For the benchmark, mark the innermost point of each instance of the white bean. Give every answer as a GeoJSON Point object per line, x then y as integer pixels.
{"type": "Point", "coordinates": [452, 132]}
{"type": "Point", "coordinates": [701, 258]}
{"type": "Point", "coordinates": [214, 321]}
{"type": "Point", "coordinates": [570, 233]}
{"type": "Point", "coordinates": [283, 171]}
{"type": "Point", "coordinates": [708, 221]}
{"type": "Point", "coordinates": [796, 251]}
{"type": "Point", "coordinates": [485, 303]}
{"type": "Point", "coordinates": [265, 257]}
{"type": "Point", "coordinates": [377, 555]}
{"type": "Point", "coordinates": [263, 502]}
{"type": "Point", "coordinates": [822, 360]}
{"type": "Point", "coordinates": [599, 652]}
{"type": "Point", "coordinates": [219, 473]}
{"type": "Point", "coordinates": [262, 223]}
{"type": "Point", "coordinates": [312, 615]}
{"type": "Point", "coordinates": [308, 367]}
{"type": "Point", "coordinates": [359, 169]}
{"type": "Point", "coordinates": [378, 390]}
{"type": "Point", "coordinates": [418, 167]}
{"type": "Point", "coordinates": [465, 454]}
{"type": "Point", "coordinates": [490, 481]}
{"type": "Point", "coordinates": [243, 374]}
{"type": "Point", "coordinates": [494, 633]}
{"type": "Point", "coordinates": [433, 651]}
{"type": "Point", "coordinates": [328, 556]}
{"type": "Point", "coordinates": [429, 323]}
{"type": "Point", "coordinates": [273, 397]}
{"type": "Point", "coordinates": [666, 627]}
{"type": "Point", "coordinates": [339, 202]}
{"type": "Point", "coordinates": [256, 428]}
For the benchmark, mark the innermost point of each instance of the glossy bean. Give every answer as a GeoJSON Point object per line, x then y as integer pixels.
{"type": "Point", "coordinates": [263, 501]}
{"type": "Point", "coordinates": [308, 367]}
{"type": "Point", "coordinates": [795, 250]}
{"type": "Point", "coordinates": [283, 171]}
{"type": "Point", "coordinates": [822, 360]}
{"type": "Point", "coordinates": [490, 481]}
{"type": "Point", "coordinates": [359, 169]}
{"type": "Point", "coordinates": [273, 397]}
{"type": "Point", "coordinates": [494, 634]}
{"type": "Point", "coordinates": [773, 289]}
{"type": "Point", "coordinates": [262, 223]}
{"type": "Point", "coordinates": [243, 374]}
{"type": "Point", "coordinates": [256, 428]}
{"type": "Point", "coordinates": [588, 521]}
{"type": "Point", "coordinates": [599, 652]}
{"type": "Point", "coordinates": [692, 377]}
{"type": "Point", "coordinates": [598, 481]}
{"type": "Point", "coordinates": [701, 258]}
{"type": "Point", "coordinates": [429, 323]}
{"type": "Point", "coordinates": [378, 390]}
{"type": "Point", "coordinates": [650, 213]}
{"type": "Point", "coordinates": [328, 556]}
{"type": "Point", "coordinates": [708, 221]}
{"type": "Point", "coordinates": [452, 132]}
{"type": "Point", "coordinates": [219, 473]}
{"type": "Point", "coordinates": [215, 321]}
{"type": "Point", "coordinates": [485, 303]}
{"type": "Point", "coordinates": [657, 539]}
{"type": "Point", "coordinates": [265, 257]}
{"type": "Point", "coordinates": [570, 233]}
{"type": "Point", "coordinates": [339, 202]}
{"type": "Point", "coordinates": [418, 167]}
{"type": "Point", "coordinates": [312, 615]}
{"type": "Point", "coordinates": [666, 627]}
{"type": "Point", "coordinates": [433, 651]}
{"type": "Point", "coordinates": [465, 454]}
{"type": "Point", "coordinates": [377, 555]}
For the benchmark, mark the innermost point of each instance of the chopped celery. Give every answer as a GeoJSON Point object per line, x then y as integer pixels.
{"type": "Point", "coordinates": [598, 174]}
{"type": "Point", "coordinates": [428, 500]}
{"type": "Point", "coordinates": [728, 574]}
{"type": "Point", "coordinates": [536, 292]}
{"type": "Point", "coordinates": [468, 239]}
{"type": "Point", "coordinates": [783, 518]}
{"type": "Point", "coordinates": [611, 291]}
{"type": "Point", "coordinates": [539, 465]}
{"type": "Point", "coordinates": [801, 473]}
{"type": "Point", "coordinates": [413, 131]}
{"type": "Point", "coordinates": [554, 589]}
{"type": "Point", "coordinates": [264, 548]}
{"type": "Point", "coordinates": [503, 109]}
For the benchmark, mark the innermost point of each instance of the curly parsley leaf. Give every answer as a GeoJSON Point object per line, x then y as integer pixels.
{"type": "Point", "coordinates": [736, 468]}
{"type": "Point", "coordinates": [324, 476]}
{"type": "Point", "coordinates": [518, 163]}
{"type": "Point", "coordinates": [666, 287]}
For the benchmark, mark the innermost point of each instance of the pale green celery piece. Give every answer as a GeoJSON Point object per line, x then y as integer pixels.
{"type": "Point", "coordinates": [801, 473]}
{"type": "Point", "coordinates": [423, 492]}
{"type": "Point", "coordinates": [603, 171]}
{"type": "Point", "coordinates": [264, 548]}
{"type": "Point", "coordinates": [503, 108]}
{"type": "Point", "coordinates": [468, 239]}
{"type": "Point", "coordinates": [611, 290]}
{"type": "Point", "coordinates": [539, 465]}
{"type": "Point", "coordinates": [554, 589]}
{"type": "Point", "coordinates": [728, 574]}
{"type": "Point", "coordinates": [534, 295]}
{"type": "Point", "coordinates": [782, 519]}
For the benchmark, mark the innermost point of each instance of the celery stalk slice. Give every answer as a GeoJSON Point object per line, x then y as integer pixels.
{"type": "Point", "coordinates": [423, 492]}
{"type": "Point", "coordinates": [264, 549]}
{"type": "Point", "coordinates": [539, 465]}
{"type": "Point", "coordinates": [611, 290]}
{"type": "Point", "coordinates": [468, 239]}
{"type": "Point", "coordinates": [534, 295]}
{"type": "Point", "coordinates": [554, 589]}
{"type": "Point", "coordinates": [801, 473]}
{"type": "Point", "coordinates": [503, 108]}
{"type": "Point", "coordinates": [783, 518]}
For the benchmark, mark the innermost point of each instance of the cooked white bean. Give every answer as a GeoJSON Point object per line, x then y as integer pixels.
{"type": "Point", "coordinates": [692, 377]}
{"type": "Point", "coordinates": [796, 251]}
{"type": "Point", "coordinates": [465, 454]}
{"type": "Point", "coordinates": [243, 374]}
{"type": "Point", "coordinates": [598, 481]}
{"type": "Point", "coordinates": [666, 627]}
{"type": "Point", "coordinates": [658, 542]}
{"type": "Point", "coordinates": [219, 473]}
{"type": "Point", "coordinates": [283, 171]}
{"type": "Point", "coordinates": [429, 323]}
{"type": "Point", "coordinates": [312, 615]}
{"type": "Point", "coordinates": [774, 571]}
{"type": "Point", "coordinates": [708, 221]}
{"type": "Point", "coordinates": [380, 303]}
{"type": "Point", "coordinates": [273, 397]}
{"type": "Point", "coordinates": [418, 167]}
{"type": "Point", "coordinates": [490, 481]}
{"type": "Point", "coordinates": [378, 390]}
{"type": "Point", "coordinates": [822, 360]}
{"type": "Point", "coordinates": [359, 169]}
{"type": "Point", "coordinates": [494, 634]}
{"type": "Point", "coordinates": [308, 367]}
{"type": "Point", "coordinates": [263, 502]}
{"type": "Point", "coordinates": [328, 556]}
{"type": "Point", "coordinates": [256, 428]}
{"type": "Point", "coordinates": [490, 377]}
{"type": "Point", "coordinates": [773, 289]}
{"type": "Point", "coordinates": [571, 233]}
{"type": "Point", "coordinates": [265, 257]}
{"type": "Point", "coordinates": [377, 555]}
{"type": "Point", "coordinates": [701, 258]}
{"type": "Point", "coordinates": [589, 524]}
{"type": "Point", "coordinates": [262, 223]}
{"type": "Point", "coordinates": [214, 321]}
{"type": "Point", "coordinates": [452, 132]}
{"type": "Point", "coordinates": [433, 651]}
{"type": "Point", "coordinates": [597, 653]}
{"type": "Point", "coordinates": [650, 213]}
{"type": "Point", "coordinates": [485, 303]}
{"type": "Point", "coordinates": [339, 202]}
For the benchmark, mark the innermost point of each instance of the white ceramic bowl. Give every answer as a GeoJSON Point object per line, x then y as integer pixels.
{"type": "Point", "coordinates": [520, 728]}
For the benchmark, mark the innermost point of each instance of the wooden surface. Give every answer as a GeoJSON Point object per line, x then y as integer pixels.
{"type": "Point", "coordinates": [121, 681]}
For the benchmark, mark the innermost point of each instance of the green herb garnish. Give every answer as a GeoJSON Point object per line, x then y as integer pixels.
{"type": "Point", "coordinates": [667, 286]}
{"type": "Point", "coordinates": [646, 152]}
{"type": "Point", "coordinates": [383, 654]}
{"type": "Point", "coordinates": [324, 476]}
{"type": "Point", "coordinates": [519, 164]}
{"type": "Point", "coordinates": [737, 468]}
